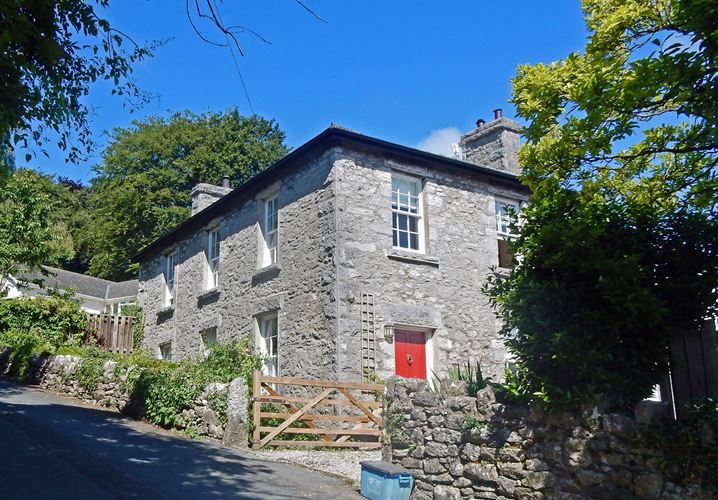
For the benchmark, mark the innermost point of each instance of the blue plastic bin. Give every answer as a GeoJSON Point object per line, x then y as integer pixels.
{"type": "Point", "coordinates": [386, 481]}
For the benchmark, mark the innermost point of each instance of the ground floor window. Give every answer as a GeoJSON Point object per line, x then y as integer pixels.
{"type": "Point", "coordinates": [165, 351]}
{"type": "Point", "coordinates": [209, 337]}
{"type": "Point", "coordinates": [269, 344]}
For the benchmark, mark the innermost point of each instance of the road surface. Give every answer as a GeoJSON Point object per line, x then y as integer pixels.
{"type": "Point", "coordinates": [50, 447]}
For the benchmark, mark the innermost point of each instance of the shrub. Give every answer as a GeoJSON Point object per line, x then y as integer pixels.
{"type": "Point", "coordinates": [167, 392]}
{"type": "Point", "coordinates": [91, 369]}
{"type": "Point", "coordinates": [54, 319]}
{"type": "Point", "coordinates": [472, 375]}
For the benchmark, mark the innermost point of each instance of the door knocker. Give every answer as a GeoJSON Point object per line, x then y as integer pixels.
{"type": "Point", "coordinates": [409, 359]}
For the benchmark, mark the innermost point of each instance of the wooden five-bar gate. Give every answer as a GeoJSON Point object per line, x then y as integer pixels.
{"type": "Point", "coordinates": [110, 332]}
{"type": "Point", "coordinates": [329, 413]}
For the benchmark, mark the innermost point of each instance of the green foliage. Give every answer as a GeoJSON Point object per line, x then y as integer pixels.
{"type": "Point", "coordinates": [30, 231]}
{"type": "Point", "coordinates": [91, 369]}
{"type": "Point", "coordinates": [52, 52]}
{"type": "Point", "coordinates": [31, 326]}
{"type": "Point", "coordinates": [618, 247]}
{"type": "Point", "coordinates": [143, 184]}
{"type": "Point", "coordinates": [472, 375]}
{"type": "Point", "coordinates": [472, 424]}
{"type": "Point", "coordinates": [217, 402]}
{"type": "Point", "coordinates": [167, 388]}
{"type": "Point", "coordinates": [166, 393]}
{"type": "Point", "coordinates": [54, 320]}
{"type": "Point", "coordinates": [516, 386]}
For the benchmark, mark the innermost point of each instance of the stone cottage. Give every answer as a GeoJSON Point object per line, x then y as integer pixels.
{"type": "Point", "coordinates": [350, 255]}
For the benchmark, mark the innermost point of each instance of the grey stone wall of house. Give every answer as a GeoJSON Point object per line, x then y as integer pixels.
{"type": "Point", "coordinates": [473, 447]}
{"type": "Point", "coordinates": [439, 290]}
{"type": "Point", "coordinates": [494, 144]}
{"type": "Point", "coordinates": [299, 288]}
{"type": "Point", "coordinates": [335, 243]}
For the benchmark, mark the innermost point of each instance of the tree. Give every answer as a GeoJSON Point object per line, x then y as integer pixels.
{"type": "Point", "coordinates": [142, 188]}
{"type": "Point", "coordinates": [30, 232]}
{"type": "Point", "coordinates": [619, 246]}
{"type": "Point", "coordinates": [51, 53]}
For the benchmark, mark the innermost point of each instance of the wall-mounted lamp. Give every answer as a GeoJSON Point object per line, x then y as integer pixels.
{"type": "Point", "coordinates": [389, 333]}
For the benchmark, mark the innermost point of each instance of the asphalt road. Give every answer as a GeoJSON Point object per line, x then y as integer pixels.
{"type": "Point", "coordinates": [52, 448]}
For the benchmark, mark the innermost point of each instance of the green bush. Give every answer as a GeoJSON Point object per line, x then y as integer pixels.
{"type": "Point", "coordinates": [54, 319]}
{"type": "Point", "coordinates": [38, 325]}
{"type": "Point", "coordinates": [167, 388]}
{"type": "Point", "coordinates": [166, 392]}
{"type": "Point", "coordinates": [91, 369]}
{"type": "Point", "coordinates": [472, 375]}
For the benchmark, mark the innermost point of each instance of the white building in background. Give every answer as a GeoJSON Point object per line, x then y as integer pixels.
{"type": "Point", "coordinates": [96, 295]}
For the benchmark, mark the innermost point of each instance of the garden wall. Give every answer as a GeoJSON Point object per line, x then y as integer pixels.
{"type": "Point", "coordinates": [474, 447]}
{"type": "Point", "coordinates": [220, 411]}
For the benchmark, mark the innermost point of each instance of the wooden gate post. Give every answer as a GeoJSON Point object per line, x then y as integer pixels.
{"type": "Point", "coordinates": [256, 408]}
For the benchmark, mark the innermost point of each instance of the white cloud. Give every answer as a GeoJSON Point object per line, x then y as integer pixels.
{"type": "Point", "coordinates": [439, 141]}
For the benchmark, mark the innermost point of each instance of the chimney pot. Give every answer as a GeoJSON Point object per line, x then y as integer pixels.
{"type": "Point", "coordinates": [225, 181]}
{"type": "Point", "coordinates": [480, 122]}
{"type": "Point", "coordinates": [498, 113]}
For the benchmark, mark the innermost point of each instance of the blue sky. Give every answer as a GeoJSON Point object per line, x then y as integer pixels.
{"type": "Point", "coordinates": [413, 72]}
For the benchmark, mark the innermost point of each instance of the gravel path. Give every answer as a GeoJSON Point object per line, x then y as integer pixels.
{"type": "Point", "coordinates": [344, 463]}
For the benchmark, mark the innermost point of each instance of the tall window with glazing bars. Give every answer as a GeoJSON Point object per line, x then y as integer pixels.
{"type": "Point", "coordinates": [213, 258]}
{"type": "Point", "coordinates": [406, 208]}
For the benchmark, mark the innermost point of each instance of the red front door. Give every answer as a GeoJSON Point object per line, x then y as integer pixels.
{"type": "Point", "coordinates": [410, 353]}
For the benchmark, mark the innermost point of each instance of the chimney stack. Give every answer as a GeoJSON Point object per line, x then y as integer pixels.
{"type": "Point", "coordinates": [203, 195]}
{"type": "Point", "coordinates": [493, 145]}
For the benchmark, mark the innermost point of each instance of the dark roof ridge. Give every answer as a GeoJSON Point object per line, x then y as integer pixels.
{"type": "Point", "coordinates": [333, 135]}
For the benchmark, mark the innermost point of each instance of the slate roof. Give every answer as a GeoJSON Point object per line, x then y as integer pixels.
{"type": "Point", "coordinates": [85, 285]}
{"type": "Point", "coordinates": [333, 136]}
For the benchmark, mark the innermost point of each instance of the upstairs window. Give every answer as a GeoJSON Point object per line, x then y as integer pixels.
{"type": "Point", "coordinates": [213, 259]}
{"type": "Point", "coordinates": [170, 260]}
{"type": "Point", "coordinates": [506, 216]}
{"type": "Point", "coordinates": [269, 345]}
{"type": "Point", "coordinates": [271, 231]}
{"type": "Point", "coordinates": [406, 208]}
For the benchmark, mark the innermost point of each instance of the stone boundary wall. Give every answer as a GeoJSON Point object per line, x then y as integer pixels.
{"type": "Point", "coordinates": [59, 374]}
{"type": "Point", "coordinates": [466, 447]}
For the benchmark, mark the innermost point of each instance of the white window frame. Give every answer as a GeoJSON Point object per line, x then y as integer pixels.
{"type": "Point", "coordinates": [268, 343]}
{"type": "Point", "coordinates": [270, 230]}
{"type": "Point", "coordinates": [397, 210]}
{"type": "Point", "coordinates": [213, 253]}
{"type": "Point", "coordinates": [505, 219]}
{"type": "Point", "coordinates": [170, 274]}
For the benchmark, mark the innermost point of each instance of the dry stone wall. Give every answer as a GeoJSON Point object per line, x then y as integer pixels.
{"type": "Point", "coordinates": [60, 375]}
{"type": "Point", "coordinates": [466, 447]}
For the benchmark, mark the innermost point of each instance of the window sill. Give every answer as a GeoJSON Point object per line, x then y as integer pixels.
{"type": "Point", "coordinates": [208, 294]}
{"type": "Point", "coordinates": [266, 273]}
{"type": "Point", "coordinates": [414, 258]}
{"type": "Point", "coordinates": [165, 313]}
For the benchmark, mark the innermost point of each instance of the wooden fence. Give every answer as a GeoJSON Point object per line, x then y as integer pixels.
{"type": "Point", "coordinates": [356, 423]}
{"type": "Point", "coordinates": [110, 332]}
{"type": "Point", "coordinates": [694, 366]}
